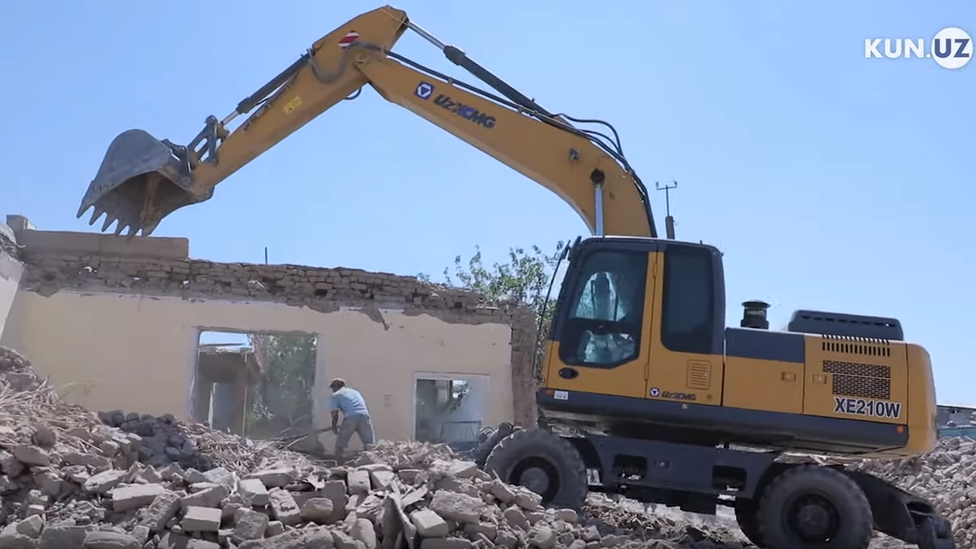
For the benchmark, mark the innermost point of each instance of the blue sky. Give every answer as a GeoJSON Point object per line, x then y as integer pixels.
{"type": "Point", "coordinates": [829, 180]}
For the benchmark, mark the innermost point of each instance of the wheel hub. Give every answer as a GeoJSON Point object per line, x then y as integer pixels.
{"type": "Point", "coordinates": [537, 475]}
{"type": "Point", "coordinates": [814, 519]}
{"type": "Point", "coordinates": [535, 479]}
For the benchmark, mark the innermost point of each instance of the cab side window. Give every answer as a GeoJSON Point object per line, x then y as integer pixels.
{"type": "Point", "coordinates": [605, 312]}
{"type": "Point", "coordinates": [688, 303]}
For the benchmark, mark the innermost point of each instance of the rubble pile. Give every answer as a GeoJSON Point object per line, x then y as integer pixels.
{"type": "Point", "coordinates": [163, 440]}
{"type": "Point", "coordinates": [946, 477]}
{"type": "Point", "coordinates": [72, 478]}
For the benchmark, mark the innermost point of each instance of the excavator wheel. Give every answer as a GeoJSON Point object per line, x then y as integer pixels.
{"type": "Point", "coordinates": [814, 507]}
{"type": "Point", "coordinates": [544, 463]}
{"type": "Point", "coordinates": [747, 515]}
{"type": "Point", "coordinates": [487, 441]}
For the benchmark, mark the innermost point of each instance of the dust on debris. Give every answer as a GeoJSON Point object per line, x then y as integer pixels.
{"type": "Point", "coordinates": [76, 478]}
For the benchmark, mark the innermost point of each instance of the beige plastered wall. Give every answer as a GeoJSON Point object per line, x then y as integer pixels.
{"type": "Point", "coordinates": [118, 328]}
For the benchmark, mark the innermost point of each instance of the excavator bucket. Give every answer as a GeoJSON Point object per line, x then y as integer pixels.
{"type": "Point", "coordinates": [141, 180]}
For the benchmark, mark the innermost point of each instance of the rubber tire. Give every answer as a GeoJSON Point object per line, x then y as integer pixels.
{"type": "Point", "coordinates": [559, 453]}
{"type": "Point", "coordinates": [484, 448]}
{"type": "Point", "coordinates": [747, 516]}
{"type": "Point", "coordinates": [935, 533]}
{"type": "Point", "coordinates": [857, 521]}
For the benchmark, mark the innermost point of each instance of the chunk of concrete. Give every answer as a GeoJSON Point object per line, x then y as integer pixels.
{"type": "Point", "coordinates": [31, 455]}
{"type": "Point", "coordinates": [103, 539]}
{"type": "Point", "coordinates": [487, 529]}
{"type": "Point", "coordinates": [201, 519]}
{"type": "Point", "coordinates": [250, 525]}
{"type": "Point", "coordinates": [382, 480]}
{"type": "Point", "coordinates": [11, 539]}
{"type": "Point", "coordinates": [429, 524]}
{"type": "Point", "coordinates": [9, 464]}
{"type": "Point", "coordinates": [102, 482]}
{"type": "Point", "coordinates": [317, 510]}
{"type": "Point", "coordinates": [542, 537]}
{"type": "Point", "coordinates": [211, 497]}
{"type": "Point", "coordinates": [254, 491]}
{"type": "Point", "coordinates": [283, 507]}
{"type": "Point", "coordinates": [448, 543]}
{"type": "Point", "coordinates": [172, 540]}
{"type": "Point", "coordinates": [336, 491]}
{"type": "Point", "coordinates": [316, 537]}
{"type": "Point", "coordinates": [514, 516]}
{"type": "Point", "coordinates": [363, 531]}
{"type": "Point", "coordinates": [221, 475]}
{"type": "Point", "coordinates": [358, 481]}
{"type": "Point", "coordinates": [460, 508]}
{"type": "Point", "coordinates": [31, 526]}
{"type": "Point", "coordinates": [275, 528]}
{"type": "Point", "coordinates": [136, 496]}
{"type": "Point", "coordinates": [504, 494]}
{"type": "Point", "coordinates": [161, 510]}
{"type": "Point", "coordinates": [454, 468]}
{"type": "Point", "coordinates": [62, 536]}
{"type": "Point", "coordinates": [567, 515]}
{"type": "Point", "coordinates": [275, 478]}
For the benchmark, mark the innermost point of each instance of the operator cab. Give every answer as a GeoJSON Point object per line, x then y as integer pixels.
{"type": "Point", "coordinates": [632, 315]}
{"type": "Point", "coordinates": [604, 300]}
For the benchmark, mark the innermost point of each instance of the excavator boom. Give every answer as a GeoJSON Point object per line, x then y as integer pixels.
{"type": "Point", "coordinates": [142, 180]}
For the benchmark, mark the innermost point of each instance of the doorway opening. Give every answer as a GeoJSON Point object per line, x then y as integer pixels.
{"type": "Point", "coordinates": [450, 408]}
{"type": "Point", "coordinates": [258, 385]}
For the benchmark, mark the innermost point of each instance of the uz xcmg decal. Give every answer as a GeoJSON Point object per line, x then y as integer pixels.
{"type": "Point", "coordinates": [464, 111]}
{"type": "Point", "coordinates": [425, 90]}
{"type": "Point", "coordinates": [870, 408]}
{"type": "Point", "coordinates": [658, 393]}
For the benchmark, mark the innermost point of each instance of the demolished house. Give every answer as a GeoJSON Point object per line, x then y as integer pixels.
{"type": "Point", "coordinates": [103, 317]}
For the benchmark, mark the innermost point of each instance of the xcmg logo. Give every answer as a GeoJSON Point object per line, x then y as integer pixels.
{"type": "Point", "coordinates": [951, 48]}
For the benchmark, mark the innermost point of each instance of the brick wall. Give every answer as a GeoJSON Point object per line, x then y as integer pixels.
{"type": "Point", "coordinates": [321, 289]}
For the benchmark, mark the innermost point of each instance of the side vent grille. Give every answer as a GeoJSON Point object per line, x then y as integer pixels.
{"type": "Point", "coordinates": [699, 376]}
{"type": "Point", "coordinates": [856, 346]}
{"type": "Point", "coordinates": [852, 379]}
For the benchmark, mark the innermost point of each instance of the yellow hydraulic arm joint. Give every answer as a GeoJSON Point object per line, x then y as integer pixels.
{"type": "Point", "coordinates": [142, 180]}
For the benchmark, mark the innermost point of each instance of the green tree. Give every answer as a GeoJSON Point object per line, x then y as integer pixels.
{"type": "Point", "coordinates": [524, 279]}
{"type": "Point", "coordinates": [282, 398]}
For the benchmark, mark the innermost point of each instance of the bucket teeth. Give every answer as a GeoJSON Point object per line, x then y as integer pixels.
{"type": "Point", "coordinates": [95, 215]}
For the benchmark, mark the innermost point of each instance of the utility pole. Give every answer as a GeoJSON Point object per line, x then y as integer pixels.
{"type": "Point", "coordinates": [668, 221]}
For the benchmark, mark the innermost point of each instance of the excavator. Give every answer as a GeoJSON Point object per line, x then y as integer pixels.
{"type": "Point", "coordinates": [645, 391]}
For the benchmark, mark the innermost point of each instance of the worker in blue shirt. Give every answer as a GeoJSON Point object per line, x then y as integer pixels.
{"type": "Point", "coordinates": [355, 416]}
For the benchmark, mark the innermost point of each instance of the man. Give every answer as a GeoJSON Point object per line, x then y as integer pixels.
{"type": "Point", "coordinates": [355, 416]}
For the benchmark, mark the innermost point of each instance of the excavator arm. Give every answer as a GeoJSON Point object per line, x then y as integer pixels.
{"type": "Point", "coordinates": [142, 180]}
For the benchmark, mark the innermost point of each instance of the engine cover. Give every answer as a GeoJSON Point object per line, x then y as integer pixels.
{"type": "Point", "coordinates": [842, 324]}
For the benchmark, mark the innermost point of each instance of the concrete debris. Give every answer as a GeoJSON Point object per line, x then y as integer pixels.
{"type": "Point", "coordinates": [946, 477]}
{"type": "Point", "coordinates": [72, 478]}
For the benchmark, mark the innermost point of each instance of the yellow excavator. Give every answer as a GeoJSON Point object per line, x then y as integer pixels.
{"type": "Point", "coordinates": [645, 391]}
